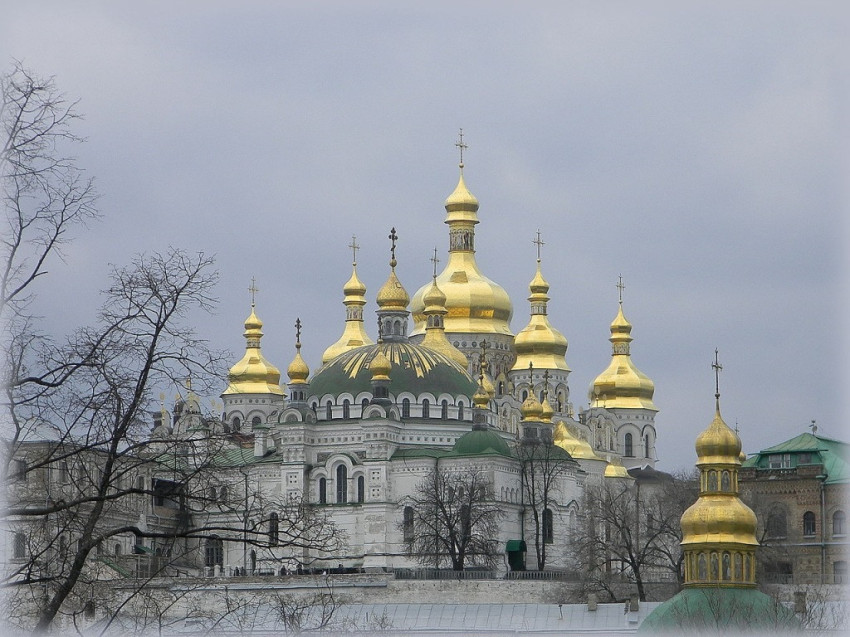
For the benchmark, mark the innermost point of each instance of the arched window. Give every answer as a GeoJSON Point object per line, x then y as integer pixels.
{"type": "Point", "coordinates": [629, 453]}
{"type": "Point", "coordinates": [274, 530]}
{"type": "Point", "coordinates": [739, 573]}
{"type": "Point", "coordinates": [712, 481]}
{"type": "Point", "coordinates": [839, 572]}
{"type": "Point", "coordinates": [117, 549]}
{"type": "Point", "coordinates": [346, 409]}
{"type": "Point", "coordinates": [548, 527]}
{"type": "Point", "coordinates": [444, 410]}
{"type": "Point", "coordinates": [223, 494]}
{"type": "Point", "coordinates": [342, 484]}
{"type": "Point", "coordinates": [214, 552]}
{"type": "Point", "coordinates": [323, 491]}
{"type": "Point", "coordinates": [363, 404]}
{"type": "Point", "coordinates": [361, 489]}
{"type": "Point", "coordinates": [236, 423]}
{"type": "Point", "coordinates": [524, 395]}
{"type": "Point", "coordinates": [838, 523]}
{"type": "Point", "coordinates": [255, 421]}
{"type": "Point", "coordinates": [426, 408]}
{"type": "Point", "coordinates": [253, 561]}
{"type": "Point", "coordinates": [809, 523]}
{"type": "Point", "coordinates": [407, 525]}
{"type": "Point", "coordinates": [702, 571]}
{"type": "Point", "coordinates": [724, 482]}
{"type": "Point", "coordinates": [646, 446]}
{"type": "Point", "coordinates": [460, 411]}
{"type": "Point", "coordinates": [777, 526]}
{"type": "Point", "coordinates": [329, 410]}
{"type": "Point", "coordinates": [727, 567]}
{"type": "Point", "coordinates": [405, 408]}
{"type": "Point", "coordinates": [573, 524]}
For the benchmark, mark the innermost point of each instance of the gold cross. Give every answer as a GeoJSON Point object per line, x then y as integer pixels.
{"type": "Point", "coordinates": [717, 369]}
{"type": "Point", "coordinates": [620, 287]}
{"type": "Point", "coordinates": [393, 237]}
{"type": "Point", "coordinates": [435, 261]}
{"type": "Point", "coordinates": [539, 243]}
{"type": "Point", "coordinates": [461, 146]}
{"type": "Point", "coordinates": [354, 248]}
{"type": "Point", "coordinates": [253, 290]}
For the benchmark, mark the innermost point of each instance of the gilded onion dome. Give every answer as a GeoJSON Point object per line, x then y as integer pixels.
{"type": "Point", "coordinates": [719, 530]}
{"type": "Point", "coordinates": [547, 411]}
{"type": "Point", "coordinates": [538, 342]}
{"type": "Point", "coordinates": [253, 374]}
{"type": "Point", "coordinates": [531, 409]}
{"type": "Point", "coordinates": [576, 446]}
{"type": "Point", "coordinates": [380, 366]}
{"type": "Point", "coordinates": [298, 371]}
{"type": "Point", "coordinates": [475, 304]}
{"type": "Point", "coordinates": [435, 334]}
{"type": "Point", "coordinates": [622, 384]}
{"type": "Point", "coordinates": [354, 334]}
{"type": "Point", "coordinates": [392, 295]}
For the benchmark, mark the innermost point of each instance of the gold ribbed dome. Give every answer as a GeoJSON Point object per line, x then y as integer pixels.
{"type": "Point", "coordinates": [572, 444]}
{"type": "Point", "coordinates": [622, 384]}
{"type": "Point", "coordinates": [253, 374]}
{"type": "Point", "coordinates": [719, 519]}
{"type": "Point", "coordinates": [538, 342]}
{"type": "Point", "coordinates": [380, 366]}
{"type": "Point", "coordinates": [547, 412]}
{"type": "Point", "coordinates": [475, 304]}
{"type": "Point", "coordinates": [392, 295]}
{"type": "Point", "coordinates": [481, 398]}
{"type": "Point", "coordinates": [354, 334]}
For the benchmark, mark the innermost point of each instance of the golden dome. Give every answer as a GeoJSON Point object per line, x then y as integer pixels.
{"type": "Point", "coordinates": [531, 409]}
{"type": "Point", "coordinates": [622, 384]}
{"type": "Point", "coordinates": [253, 374]}
{"type": "Point", "coordinates": [392, 295]}
{"type": "Point", "coordinates": [354, 334]}
{"type": "Point", "coordinates": [475, 304]}
{"type": "Point", "coordinates": [538, 342]}
{"type": "Point", "coordinates": [481, 399]}
{"type": "Point", "coordinates": [615, 469]}
{"type": "Point", "coordinates": [298, 370]}
{"type": "Point", "coordinates": [380, 366]}
{"type": "Point", "coordinates": [718, 444]}
{"type": "Point", "coordinates": [547, 411]}
{"type": "Point", "coordinates": [719, 519]}
{"type": "Point", "coordinates": [574, 445]}
{"type": "Point", "coordinates": [435, 334]}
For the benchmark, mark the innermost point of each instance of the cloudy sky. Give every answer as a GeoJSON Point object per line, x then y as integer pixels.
{"type": "Point", "coordinates": [698, 149]}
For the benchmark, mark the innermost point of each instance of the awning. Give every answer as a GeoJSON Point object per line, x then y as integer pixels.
{"type": "Point", "coordinates": [515, 545]}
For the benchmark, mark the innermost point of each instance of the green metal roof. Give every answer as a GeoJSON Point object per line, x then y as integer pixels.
{"type": "Point", "coordinates": [717, 610]}
{"type": "Point", "coordinates": [834, 455]}
{"type": "Point", "coordinates": [415, 369]}
{"type": "Point", "coordinates": [481, 442]}
{"type": "Point", "coordinates": [419, 452]}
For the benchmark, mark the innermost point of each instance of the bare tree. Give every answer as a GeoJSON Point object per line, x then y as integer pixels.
{"type": "Point", "coordinates": [84, 478]}
{"type": "Point", "coordinates": [542, 466]}
{"type": "Point", "coordinates": [632, 534]}
{"type": "Point", "coordinates": [453, 518]}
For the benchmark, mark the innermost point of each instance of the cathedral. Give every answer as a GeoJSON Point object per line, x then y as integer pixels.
{"type": "Point", "coordinates": [445, 383]}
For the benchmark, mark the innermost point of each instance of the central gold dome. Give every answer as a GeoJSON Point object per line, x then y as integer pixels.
{"type": "Point", "coordinates": [475, 304]}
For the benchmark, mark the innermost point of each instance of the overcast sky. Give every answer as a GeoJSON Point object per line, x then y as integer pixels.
{"type": "Point", "coordinates": [698, 149]}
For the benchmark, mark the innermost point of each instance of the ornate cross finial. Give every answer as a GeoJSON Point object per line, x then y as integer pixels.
{"type": "Point", "coordinates": [461, 146]}
{"type": "Point", "coordinates": [717, 367]}
{"type": "Point", "coordinates": [813, 427]}
{"type": "Point", "coordinates": [435, 261]}
{"type": "Point", "coordinates": [354, 248]}
{"type": "Point", "coordinates": [620, 287]}
{"type": "Point", "coordinates": [380, 331]}
{"type": "Point", "coordinates": [539, 243]}
{"type": "Point", "coordinates": [393, 237]}
{"type": "Point", "coordinates": [298, 332]}
{"type": "Point", "coordinates": [253, 290]}
{"type": "Point", "coordinates": [546, 383]}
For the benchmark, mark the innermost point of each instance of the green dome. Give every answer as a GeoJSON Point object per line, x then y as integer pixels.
{"type": "Point", "coordinates": [715, 609]}
{"type": "Point", "coordinates": [414, 369]}
{"type": "Point", "coordinates": [479, 442]}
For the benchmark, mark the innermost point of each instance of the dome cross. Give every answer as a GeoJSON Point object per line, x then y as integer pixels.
{"type": "Point", "coordinates": [393, 237]}
{"type": "Point", "coordinates": [354, 248]}
{"type": "Point", "coordinates": [298, 332]}
{"type": "Point", "coordinates": [435, 261]}
{"type": "Point", "coordinates": [461, 146]}
{"type": "Point", "coordinates": [620, 287]}
{"type": "Point", "coordinates": [717, 367]}
{"type": "Point", "coordinates": [253, 290]}
{"type": "Point", "coordinates": [539, 243]}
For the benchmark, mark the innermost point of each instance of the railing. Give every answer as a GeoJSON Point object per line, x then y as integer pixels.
{"type": "Point", "coordinates": [550, 576]}
{"type": "Point", "coordinates": [442, 574]}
